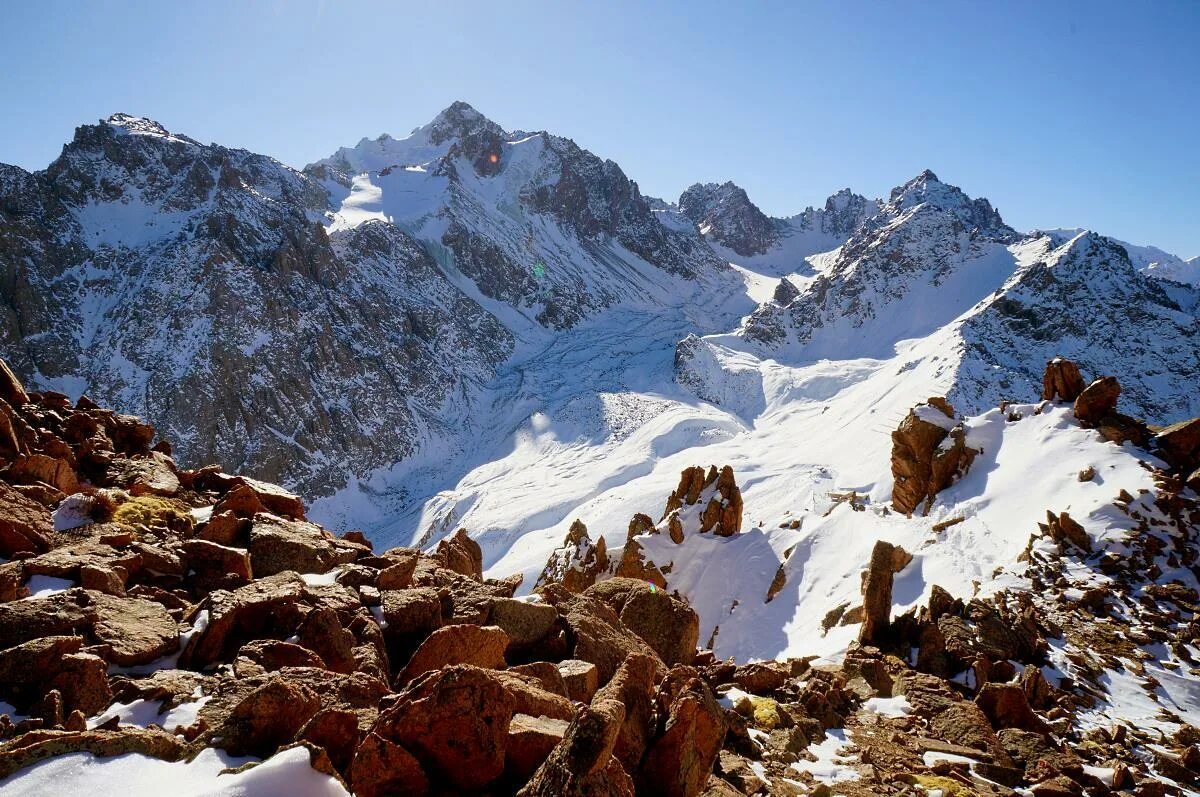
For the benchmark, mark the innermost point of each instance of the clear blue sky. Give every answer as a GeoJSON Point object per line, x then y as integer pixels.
{"type": "Point", "coordinates": [1062, 113]}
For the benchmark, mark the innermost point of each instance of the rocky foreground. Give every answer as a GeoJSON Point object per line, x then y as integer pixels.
{"type": "Point", "coordinates": [209, 599]}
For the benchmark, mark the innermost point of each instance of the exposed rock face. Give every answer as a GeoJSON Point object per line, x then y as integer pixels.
{"type": "Point", "coordinates": [633, 563]}
{"type": "Point", "coordinates": [461, 554]}
{"type": "Point", "coordinates": [578, 563]}
{"type": "Point", "coordinates": [929, 453]}
{"type": "Point", "coordinates": [877, 593]}
{"type": "Point", "coordinates": [726, 214]}
{"type": "Point", "coordinates": [455, 721]}
{"type": "Point", "coordinates": [679, 762]}
{"type": "Point", "coordinates": [717, 495]}
{"type": "Point", "coordinates": [582, 764]}
{"type": "Point", "coordinates": [668, 625]}
{"type": "Point", "coordinates": [458, 644]}
{"type": "Point", "coordinates": [1062, 381]}
{"type": "Point", "coordinates": [1097, 401]}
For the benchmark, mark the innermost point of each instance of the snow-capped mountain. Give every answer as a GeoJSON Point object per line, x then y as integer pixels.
{"type": "Point", "coordinates": [443, 329]}
{"type": "Point", "coordinates": [935, 264]}
{"type": "Point", "coordinates": [742, 234]}
{"type": "Point", "coordinates": [275, 321]}
{"type": "Point", "coordinates": [530, 219]}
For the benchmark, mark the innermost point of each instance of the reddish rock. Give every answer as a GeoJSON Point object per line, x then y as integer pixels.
{"type": "Point", "coordinates": [102, 579]}
{"type": "Point", "coordinates": [1063, 529]}
{"type": "Point", "coordinates": [546, 674]}
{"type": "Point", "coordinates": [322, 633]}
{"type": "Point", "coordinates": [254, 611]}
{"type": "Point", "coordinates": [599, 635]}
{"type": "Point", "coordinates": [526, 623]}
{"type": "Point", "coordinates": [480, 646]}
{"type": "Point", "coordinates": [1179, 444]}
{"type": "Point", "coordinates": [382, 768]}
{"type": "Point", "coordinates": [633, 687]}
{"type": "Point", "coordinates": [722, 513]}
{"type": "Point", "coordinates": [1007, 706]}
{"type": "Point", "coordinates": [1062, 381]}
{"type": "Point", "coordinates": [154, 474]}
{"type": "Point", "coordinates": [461, 554]}
{"type": "Point", "coordinates": [30, 468]}
{"type": "Point", "coordinates": [24, 523]}
{"type": "Point", "coordinates": [582, 764]}
{"type": "Point", "coordinates": [761, 678]}
{"type": "Point", "coordinates": [39, 745]}
{"type": "Point", "coordinates": [134, 631]}
{"type": "Point", "coordinates": [922, 463]}
{"type": "Point", "coordinates": [334, 730]}
{"type": "Point", "coordinates": [877, 594]}
{"type": "Point", "coordinates": [530, 742]}
{"type": "Point", "coordinates": [268, 718]}
{"type": "Point", "coordinates": [415, 612]}
{"type": "Point", "coordinates": [577, 563]}
{"type": "Point", "coordinates": [679, 762]}
{"type": "Point", "coordinates": [218, 566]}
{"type": "Point", "coordinates": [11, 389]}
{"type": "Point", "coordinates": [272, 654]}
{"type": "Point", "coordinates": [399, 574]}
{"type": "Point", "coordinates": [1097, 401]}
{"type": "Point", "coordinates": [69, 613]}
{"type": "Point", "coordinates": [455, 721]}
{"type": "Point", "coordinates": [668, 625]}
{"type": "Point", "coordinates": [581, 678]}
{"type": "Point", "coordinates": [531, 698]}
{"type": "Point", "coordinates": [277, 545]}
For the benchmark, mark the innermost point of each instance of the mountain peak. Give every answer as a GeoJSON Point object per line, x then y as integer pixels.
{"type": "Point", "coordinates": [136, 125]}
{"type": "Point", "coordinates": [461, 120]}
{"type": "Point", "coordinates": [927, 189]}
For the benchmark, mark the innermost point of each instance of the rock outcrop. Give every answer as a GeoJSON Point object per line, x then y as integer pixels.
{"type": "Point", "coordinates": [929, 453]}
{"type": "Point", "coordinates": [578, 562]}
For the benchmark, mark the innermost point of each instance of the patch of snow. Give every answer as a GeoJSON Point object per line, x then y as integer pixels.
{"type": "Point", "coordinates": [134, 775]}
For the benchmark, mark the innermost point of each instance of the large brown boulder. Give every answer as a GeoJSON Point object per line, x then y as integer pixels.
{"type": "Point", "coordinates": [480, 646]}
{"type": "Point", "coordinates": [666, 623]}
{"type": "Point", "coordinates": [525, 622]}
{"type": "Point", "coordinates": [530, 742]}
{"type": "Point", "coordinates": [382, 768]}
{"type": "Point", "coordinates": [877, 594]}
{"type": "Point", "coordinates": [11, 389]}
{"type": "Point", "coordinates": [634, 688]}
{"type": "Point", "coordinates": [24, 523]}
{"type": "Point", "coordinates": [133, 630]}
{"type": "Point", "coordinates": [411, 613]}
{"type": "Point", "coordinates": [1097, 401]}
{"type": "Point", "coordinates": [153, 474]}
{"type": "Point", "coordinates": [265, 608]}
{"type": "Point", "coordinates": [69, 613]}
{"type": "Point", "coordinates": [1062, 381]}
{"type": "Point", "coordinates": [597, 633]}
{"type": "Point", "coordinates": [268, 718]}
{"type": "Point", "coordinates": [461, 554]}
{"type": "Point", "coordinates": [1007, 706]}
{"type": "Point", "coordinates": [277, 545]}
{"type": "Point", "coordinates": [54, 471]}
{"type": "Point", "coordinates": [922, 464]}
{"type": "Point", "coordinates": [582, 764]}
{"type": "Point", "coordinates": [680, 761]}
{"type": "Point", "coordinates": [1179, 444]}
{"type": "Point", "coordinates": [455, 721]}
{"type": "Point", "coordinates": [26, 670]}
{"type": "Point", "coordinates": [577, 563]}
